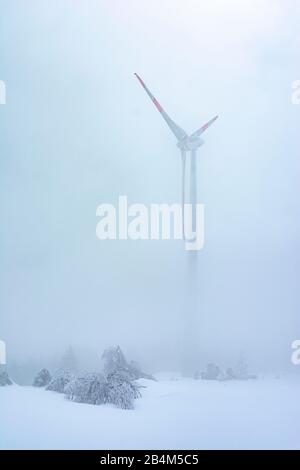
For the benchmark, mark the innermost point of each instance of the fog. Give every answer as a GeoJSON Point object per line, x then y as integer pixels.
{"type": "Point", "coordinates": [78, 130]}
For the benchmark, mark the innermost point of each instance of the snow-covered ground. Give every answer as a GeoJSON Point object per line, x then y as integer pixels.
{"type": "Point", "coordinates": [172, 414]}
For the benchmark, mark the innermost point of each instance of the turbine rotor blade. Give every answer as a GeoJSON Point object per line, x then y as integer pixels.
{"type": "Point", "coordinates": [177, 131]}
{"type": "Point", "coordinates": [203, 128]}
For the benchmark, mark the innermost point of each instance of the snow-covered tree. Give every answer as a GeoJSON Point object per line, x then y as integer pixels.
{"type": "Point", "coordinates": [230, 375]}
{"type": "Point", "coordinates": [95, 389]}
{"type": "Point", "coordinates": [115, 361]}
{"type": "Point", "coordinates": [69, 360]}
{"type": "Point", "coordinates": [42, 379]}
{"type": "Point", "coordinates": [59, 380]}
{"type": "Point", "coordinates": [121, 391]}
{"type": "Point", "coordinates": [4, 379]}
{"type": "Point", "coordinates": [212, 372]}
{"type": "Point", "coordinates": [116, 386]}
{"type": "Point", "coordinates": [89, 388]}
{"type": "Point", "coordinates": [241, 370]}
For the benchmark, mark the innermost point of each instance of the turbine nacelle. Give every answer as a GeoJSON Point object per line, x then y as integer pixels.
{"type": "Point", "coordinates": [189, 144]}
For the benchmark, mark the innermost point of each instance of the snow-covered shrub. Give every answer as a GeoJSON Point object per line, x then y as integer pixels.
{"type": "Point", "coordinates": [4, 379]}
{"type": "Point", "coordinates": [95, 389]}
{"type": "Point", "coordinates": [121, 391]}
{"type": "Point", "coordinates": [230, 375]}
{"type": "Point", "coordinates": [89, 388]}
{"type": "Point", "coordinates": [241, 370]}
{"type": "Point", "coordinates": [42, 379]}
{"type": "Point", "coordinates": [212, 372]}
{"type": "Point", "coordinates": [59, 380]}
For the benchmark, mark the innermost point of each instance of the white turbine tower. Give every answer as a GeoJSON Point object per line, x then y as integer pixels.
{"type": "Point", "coordinates": [188, 146]}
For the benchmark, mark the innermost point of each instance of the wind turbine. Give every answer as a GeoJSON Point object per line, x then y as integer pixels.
{"type": "Point", "coordinates": [186, 144]}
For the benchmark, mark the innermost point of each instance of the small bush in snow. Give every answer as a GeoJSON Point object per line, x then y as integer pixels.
{"type": "Point", "coordinates": [89, 388]}
{"type": "Point", "coordinates": [95, 389]}
{"type": "Point", "coordinates": [42, 379]}
{"type": "Point", "coordinates": [121, 391]}
{"type": "Point", "coordinates": [59, 380]}
{"type": "Point", "coordinates": [230, 375]}
{"type": "Point", "coordinates": [4, 379]}
{"type": "Point", "coordinates": [241, 370]}
{"type": "Point", "coordinates": [213, 372]}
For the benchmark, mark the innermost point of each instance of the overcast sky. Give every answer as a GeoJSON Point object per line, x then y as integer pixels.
{"type": "Point", "coordinates": [78, 130]}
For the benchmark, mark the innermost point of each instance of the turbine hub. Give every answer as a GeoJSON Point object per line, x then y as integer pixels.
{"type": "Point", "coordinates": [189, 144]}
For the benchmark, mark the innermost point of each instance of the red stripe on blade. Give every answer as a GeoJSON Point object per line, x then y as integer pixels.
{"type": "Point", "coordinates": [157, 105]}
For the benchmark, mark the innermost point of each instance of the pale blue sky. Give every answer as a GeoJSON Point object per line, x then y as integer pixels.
{"type": "Point", "coordinates": [77, 130]}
